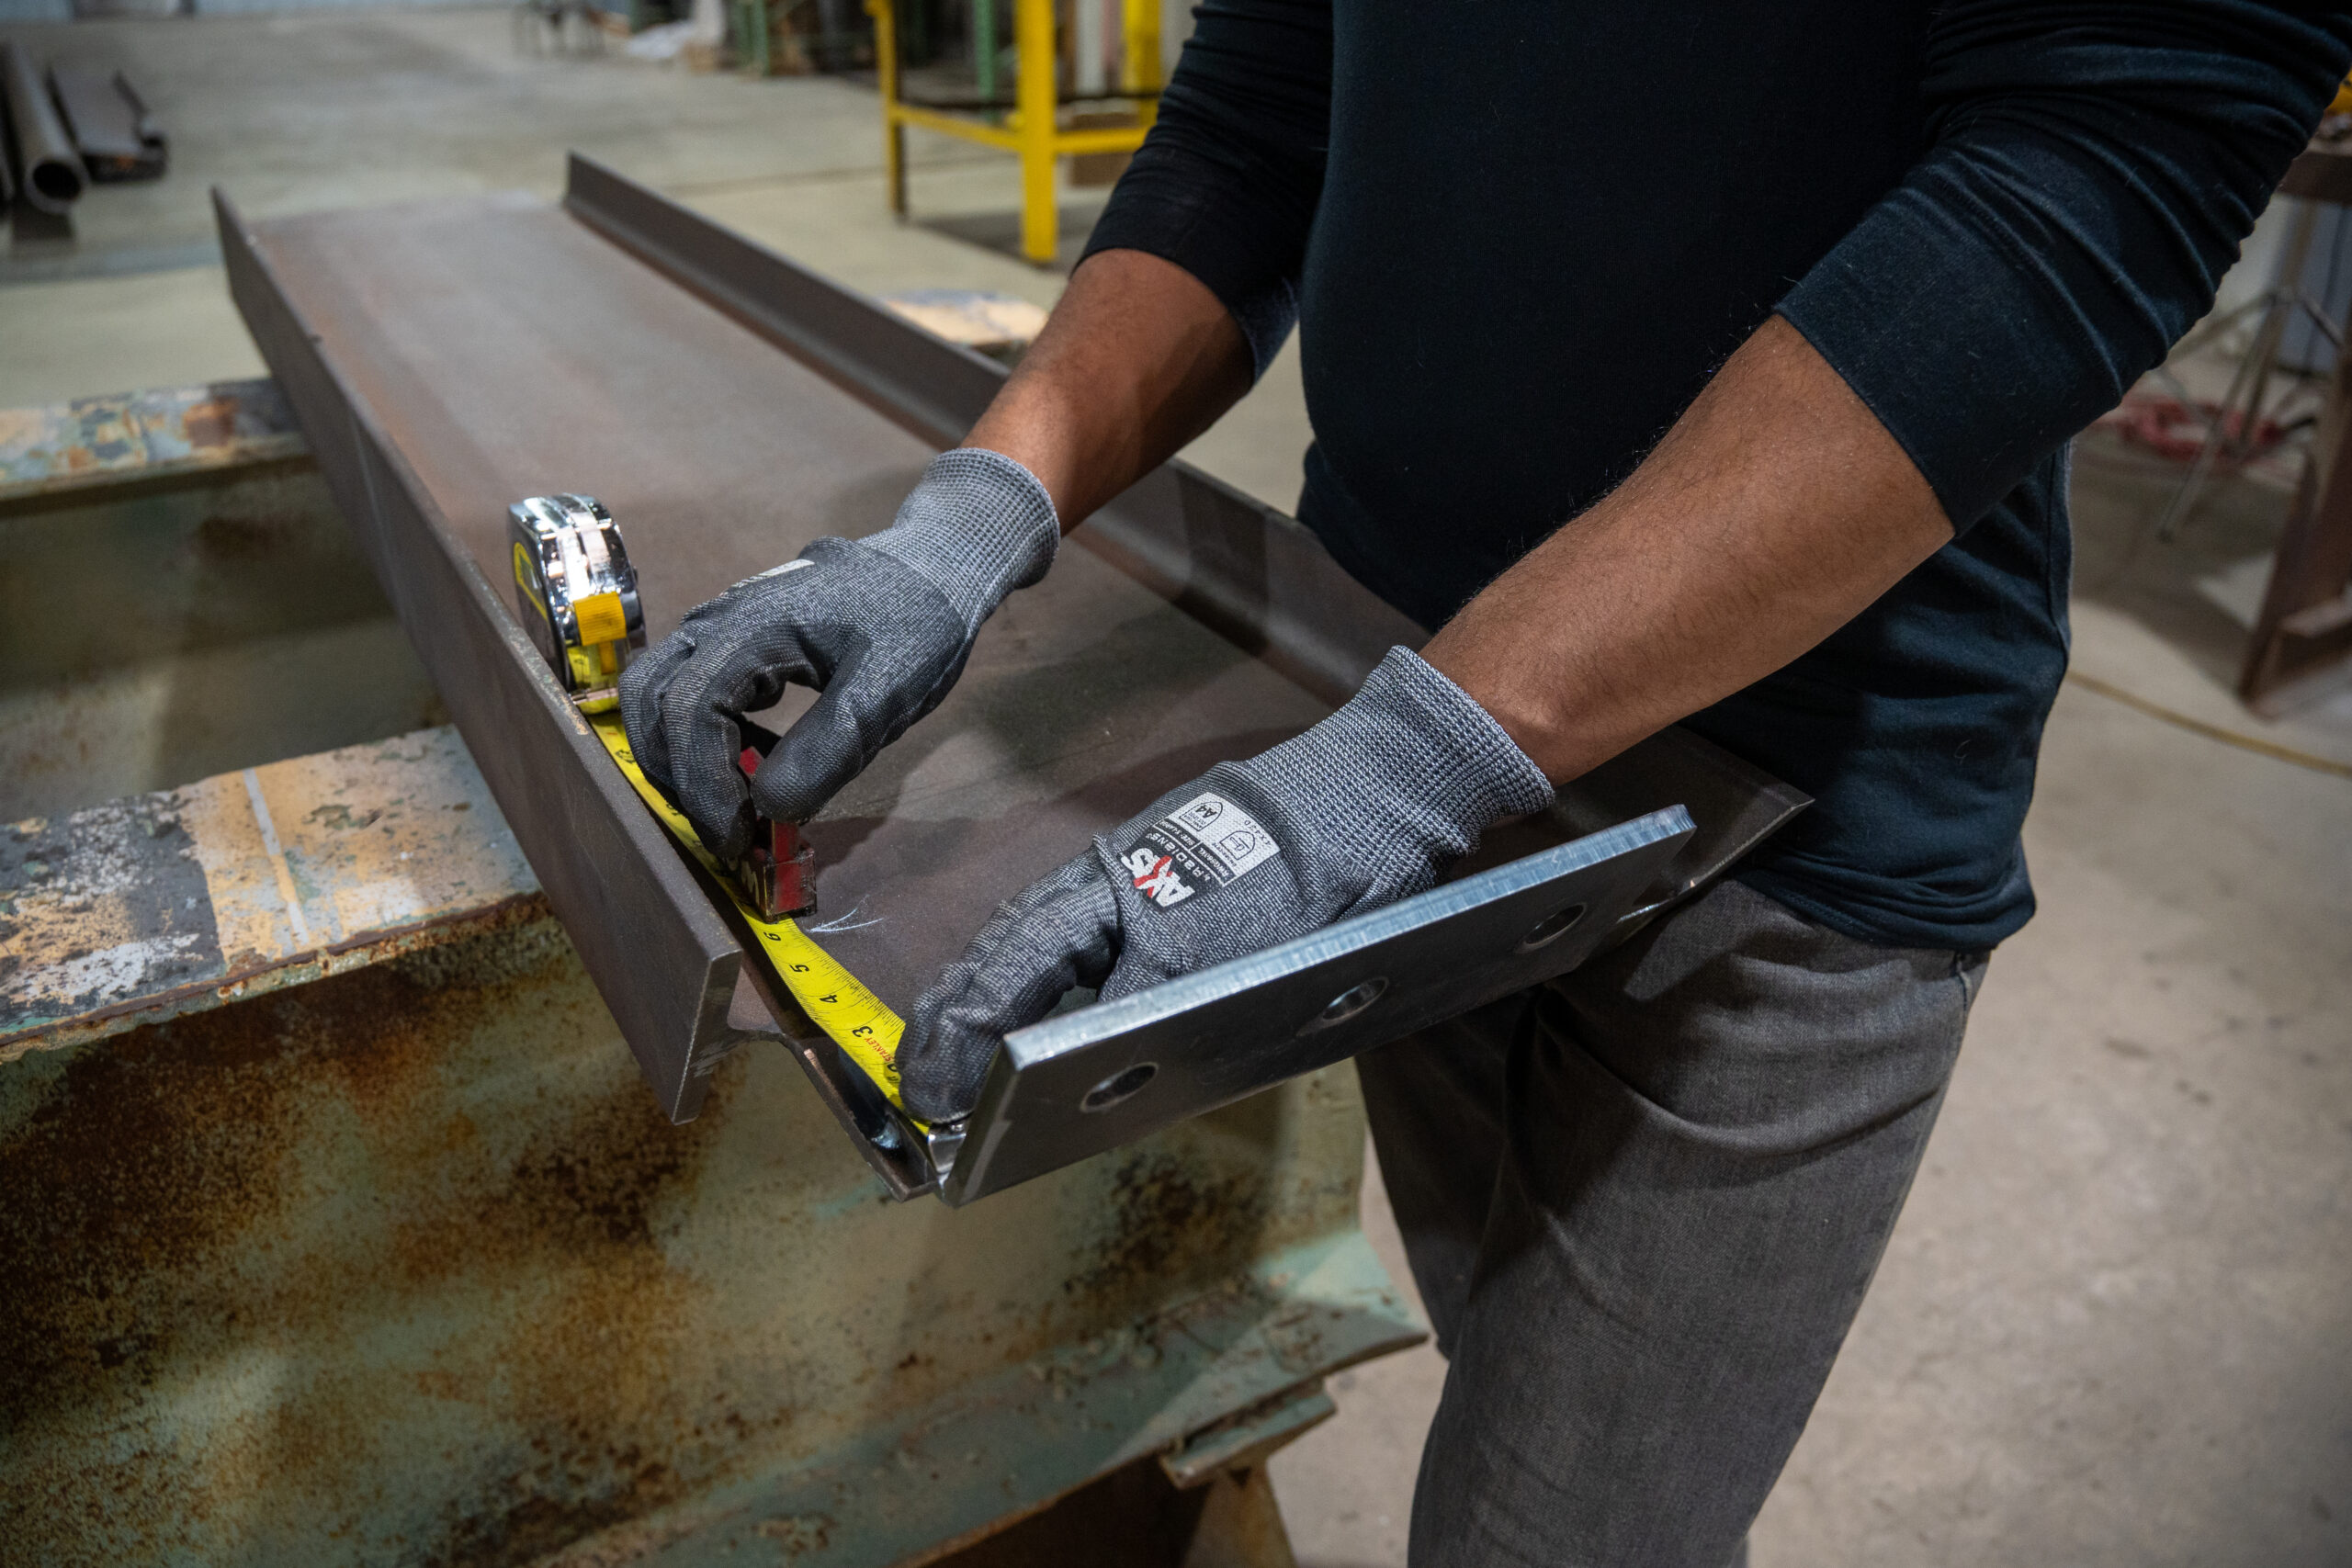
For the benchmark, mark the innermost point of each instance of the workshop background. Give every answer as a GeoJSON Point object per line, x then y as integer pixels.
{"type": "Point", "coordinates": [2114, 1326]}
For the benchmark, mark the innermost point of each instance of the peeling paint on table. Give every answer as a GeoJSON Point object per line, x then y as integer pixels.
{"type": "Point", "coordinates": [105, 440]}
{"type": "Point", "coordinates": [160, 904]}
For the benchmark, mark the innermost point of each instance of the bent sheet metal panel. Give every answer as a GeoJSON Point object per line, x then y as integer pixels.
{"type": "Point", "coordinates": [503, 349]}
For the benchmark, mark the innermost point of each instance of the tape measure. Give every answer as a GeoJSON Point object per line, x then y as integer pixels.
{"type": "Point", "coordinates": [835, 999]}
{"type": "Point", "coordinates": [576, 593]}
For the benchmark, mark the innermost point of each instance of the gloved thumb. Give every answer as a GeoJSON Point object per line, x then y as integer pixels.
{"type": "Point", "coordinates": [1059, 932]}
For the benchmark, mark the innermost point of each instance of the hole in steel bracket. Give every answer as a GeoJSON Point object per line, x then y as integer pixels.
{"type": "Point", "coordinates": [1551, 929]}
{"type": "Point", "coordinates": [1346, 1004]}
{"type": "Point", "coordinates": [1119, 1086]}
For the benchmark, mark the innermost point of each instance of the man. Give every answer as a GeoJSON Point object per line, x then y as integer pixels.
{"type": "Point", "coordinates": [1789, 312]}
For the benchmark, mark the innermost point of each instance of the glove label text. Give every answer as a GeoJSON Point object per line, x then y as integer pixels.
{"type": "Point", "coordinates": [1156, 877]}
{"type": "Point", "coordinates": [1206, 841]}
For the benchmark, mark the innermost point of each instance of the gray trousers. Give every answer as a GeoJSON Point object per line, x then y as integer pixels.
{"type": "Point", "coordinates": [1642, 1204]}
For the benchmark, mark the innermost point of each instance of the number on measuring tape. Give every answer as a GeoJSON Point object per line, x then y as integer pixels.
{"type": "Point", "coordinates": [806, 969]}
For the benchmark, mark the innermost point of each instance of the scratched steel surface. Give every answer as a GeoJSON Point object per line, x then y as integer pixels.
{"type": "Point", "coordinates": [508, 350]}
{"type": "Point", "coordinates": [402, 1265]}
{"type": "Point", "coordinates": [273, 876]}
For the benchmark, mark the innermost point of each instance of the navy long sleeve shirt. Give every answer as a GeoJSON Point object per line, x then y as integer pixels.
{"type": "Point", "coordinates": [1518, 237]}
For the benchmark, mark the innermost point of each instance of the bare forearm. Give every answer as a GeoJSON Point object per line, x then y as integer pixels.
{"type": "Point", "coordinates": [1138, 358]}
{"type": "Point", "coordinates": [1775, 510]}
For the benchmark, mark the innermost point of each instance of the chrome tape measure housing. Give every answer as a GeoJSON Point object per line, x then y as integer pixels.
{"type": "Point", "coordinates": [577, 592]}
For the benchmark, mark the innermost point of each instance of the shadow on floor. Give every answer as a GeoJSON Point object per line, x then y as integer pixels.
{"type": "Point", "coordinates": [1001, 231]}
{"type": "Point", "coordinates": [38, 235]}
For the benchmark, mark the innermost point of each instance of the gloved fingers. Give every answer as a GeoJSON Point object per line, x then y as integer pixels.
{"type": "Point", "coordinates": [864, 707]}
{"type": "Point", "coordinates": [825, 747]}
{"type": "Point", "coordinates": [1061, 931]}
{"type": "Point", "coordinates": [700, 708]}
{"type": "Point", "coordinates": [648, 676]}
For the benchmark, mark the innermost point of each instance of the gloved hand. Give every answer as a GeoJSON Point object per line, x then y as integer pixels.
{"type": "Point", "coordinates": [880, 626]}
{"type": "Point", "coordinates": [1362, 811]}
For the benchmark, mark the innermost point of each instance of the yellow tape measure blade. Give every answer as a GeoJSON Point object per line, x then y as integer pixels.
{"type": "Point", "coordinates": [851, 1016]}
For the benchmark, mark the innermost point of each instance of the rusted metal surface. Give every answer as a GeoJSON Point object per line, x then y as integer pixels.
{"type": "Point", "coordinates": [1248, 1438]}
{"type": "Point", "coordinates": [400, 1267]}
{"type": "Point", "coordinates": [275, 875]}
{"type": "Point", "coordinates": [143, 435]}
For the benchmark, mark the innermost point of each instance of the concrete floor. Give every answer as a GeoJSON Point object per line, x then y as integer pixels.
{"type": "Point", "coordinates": [2115, 1323]}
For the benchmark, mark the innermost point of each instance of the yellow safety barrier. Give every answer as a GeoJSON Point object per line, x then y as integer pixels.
{"type": "Point", "coordinates": [1033, 128]}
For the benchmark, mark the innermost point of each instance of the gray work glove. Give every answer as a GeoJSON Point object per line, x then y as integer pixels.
{"type": "Point", "coordinates": [880, 626]}
{"type": "Point", "coordinates": [1362, 811]}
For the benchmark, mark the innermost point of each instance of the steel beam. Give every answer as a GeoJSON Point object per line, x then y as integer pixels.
{"type": "Point", "coordinates": [450, 357]}
{"type": "Point", "coordinates": [663, 961]}
{"type": "Point", "coordinates": [1258, 578]}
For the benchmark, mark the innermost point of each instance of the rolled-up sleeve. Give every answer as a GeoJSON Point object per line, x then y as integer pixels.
{"type": "Point", "coordinates": [2090, 172]}
{"type": "Point", "coordinates": [1226, 185]}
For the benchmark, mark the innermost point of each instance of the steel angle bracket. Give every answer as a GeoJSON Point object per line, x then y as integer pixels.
{"type": "Point", "coordinates": [1104, 1076]}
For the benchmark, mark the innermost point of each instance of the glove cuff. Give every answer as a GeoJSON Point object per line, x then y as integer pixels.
{"type": "Point", "coordinates": [1469, 771]}
{"type": "Point", "coordinates": [1405, 777]}
{"type": "Point", "coordinates": [978, 526]}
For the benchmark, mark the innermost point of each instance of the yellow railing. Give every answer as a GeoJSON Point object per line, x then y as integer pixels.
{"type": "Point", "coordinates": [1033, 128]}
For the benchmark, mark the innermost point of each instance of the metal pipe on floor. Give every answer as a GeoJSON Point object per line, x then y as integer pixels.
{"type": "Point", "coordinates": [51, 170]}
{"type": "Point", "coordinates": [7, 171]}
